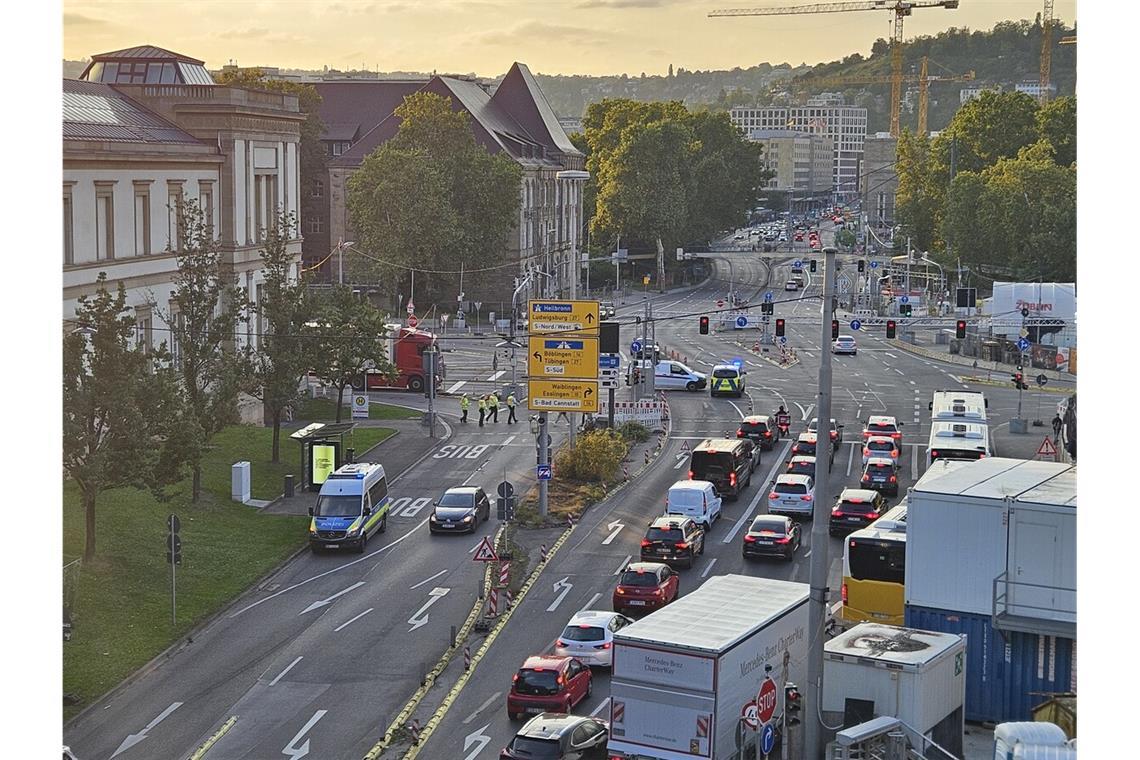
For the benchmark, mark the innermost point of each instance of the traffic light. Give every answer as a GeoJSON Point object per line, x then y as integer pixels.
{"type": "Point", "coordinates": [960, 329]}
{"type": "Point", "coordinates": [862, 265]}
{"type": "Point", "coordinates": [767, 308]}
{"type": "Point", "coordinates": [793, 704]}
{"type": "Point", "coordinates": [834, 329]}
{"type": "Point", "coordinates": [904, 310]}
{"type": "Point", "coordinates": [1018, 381]}
{"type": "Point", "coordinates": [812, 266]}
{"type": "Point", "coordinates": [779, 328]}
{"type": "Point", "coordinates": [173, 541]}
{"type": "Point", "coordinates": [890, 329]}
{"type": "Point", "coordinates": [704, 326]}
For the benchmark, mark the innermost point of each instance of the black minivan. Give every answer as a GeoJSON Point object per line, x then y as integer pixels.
{"type": "Point", "coordinates": [727, 463]}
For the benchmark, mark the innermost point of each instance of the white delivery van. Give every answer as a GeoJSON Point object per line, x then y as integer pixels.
{"type": "Point", "coordinates": [672, 375]}
{"type": "Point", "coordinates": [696, 499]}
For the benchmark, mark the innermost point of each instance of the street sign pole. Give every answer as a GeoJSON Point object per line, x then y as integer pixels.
{"type": "Point", "coordinates": [817, 608]}
{"type": "Point", "coordinates": [543, 459]}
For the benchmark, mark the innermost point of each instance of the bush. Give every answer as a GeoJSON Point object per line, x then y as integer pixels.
{"type": "Point", "coordinates": [595, 458]}
{"type": "Point", "coordinates": [633, 432]}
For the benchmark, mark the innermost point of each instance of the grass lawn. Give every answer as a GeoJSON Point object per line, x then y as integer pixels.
{"type": "Point", "coordinates": [324, 410]}
{"type": "Point", "coordinates": [122, 608]}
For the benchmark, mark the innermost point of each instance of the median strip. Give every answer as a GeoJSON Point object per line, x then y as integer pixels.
{"type": "Point", "coordinates": [201, 751]}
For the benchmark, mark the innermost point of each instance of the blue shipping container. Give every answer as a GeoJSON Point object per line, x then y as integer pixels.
{"type": "Point", "coordinates": [1002, 668]}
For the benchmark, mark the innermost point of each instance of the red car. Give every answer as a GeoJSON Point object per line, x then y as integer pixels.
{"type": "Point", "coordinates": [548, 684]}
{"type": "Point", "coordinates": [645, 586]}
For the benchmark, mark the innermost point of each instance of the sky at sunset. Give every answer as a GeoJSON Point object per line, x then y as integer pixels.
{"type": "Point", "coordinates": [484, 37]}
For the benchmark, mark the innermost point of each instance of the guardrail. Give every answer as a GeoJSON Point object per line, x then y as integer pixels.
{"type": "Point", "coordinates": [1020, 605]}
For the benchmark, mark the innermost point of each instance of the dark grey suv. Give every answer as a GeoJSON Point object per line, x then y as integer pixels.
{"type": "Point", "coordinates": [460, 510]}
{"type": "Point", "coordinates": [558, 736]}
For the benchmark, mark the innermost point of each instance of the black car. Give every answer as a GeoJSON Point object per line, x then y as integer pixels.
{"type": "Point", "coordinates": [856, 508]}
{"type": "Point", "coordinates": [673, 539]}
{"type": "Point", "coordinates": [760, 429]}
{"type": "Point", "coordinates": [727, 463]}
{"type": "Point", "coordinates": [805, 446]}
{"type": "Point", "coordinates": [558, 736]}
{"type": "Point", "coordinates": [771, 536]}
{"type": "Point", "coordinates": [460, 510]}
{"type": "Point", "coordinates": [801, 465]}
{"type": "Point", "coordinates": [881, 475]}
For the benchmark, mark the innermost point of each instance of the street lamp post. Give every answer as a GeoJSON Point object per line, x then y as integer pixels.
{"type": "Point", "coordinates": [571, 177]}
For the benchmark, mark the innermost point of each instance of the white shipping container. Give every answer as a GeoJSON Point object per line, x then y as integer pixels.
{"type": "Point", "coordinates": [916, 676]}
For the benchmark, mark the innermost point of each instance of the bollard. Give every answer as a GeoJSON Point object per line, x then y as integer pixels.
{"type": "Point", "coordinates": [349, 456]}
{"type": "Point", "coordinates": [290, 489]}
{"type": "Point", "coordinates": [453, 636]}
{"type": "Point", "coordinates": [507, 599]}
{"type": "Point", "coordinates": [493, 603]}
{"type": "Point", "coordinates": [647, 456]}
{"type": "Point", "coordinates": [415, 727]}
{"type": "Point", "coordinates": [625, 471]}
{"type": "Point", "coordinates": [543, 550]}
{"type": "Point", "coordinates": [423, 674]}
{"type": "Point", "coordinates": [466, 658]}
{"type": "Point", "coordinates": [569, 521]}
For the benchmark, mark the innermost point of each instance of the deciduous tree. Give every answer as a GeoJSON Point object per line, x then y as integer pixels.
{"type": "Point", "coordinates": [348, 337]}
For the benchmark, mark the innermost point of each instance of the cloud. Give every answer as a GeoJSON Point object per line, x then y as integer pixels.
{"type": "Point", "coordinates": [78, 19]}
{"type": "Point", "coordinates": [263, 34]}
{"type": "Point", "coordinates": [624, 3]}
{"type": "Point", "coordinates": [538, 31]}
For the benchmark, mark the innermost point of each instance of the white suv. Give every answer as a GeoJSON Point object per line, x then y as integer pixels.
{"type": "Point", "coordinates": [792, 495]}
{"type": "Point", "coordinates": [589, 636]}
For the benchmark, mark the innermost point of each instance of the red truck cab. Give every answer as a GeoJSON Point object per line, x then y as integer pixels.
{"type": "Point", "coordinates": [405, 348]}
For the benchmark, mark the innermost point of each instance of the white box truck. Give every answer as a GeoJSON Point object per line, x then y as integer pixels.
{"type": "Point", "coordinates": [685, 676]}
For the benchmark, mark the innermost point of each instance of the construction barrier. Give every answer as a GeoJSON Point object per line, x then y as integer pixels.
{"type": "Point", "coordinates": [504, 573]}
{"type": "Point", "coordinates": [651, 414]}
{"type": "Point", "coordinates": [543, 550]}
{"type": "Point", "coordinates": [415, 729]}
{"type": "Point", "coordinates": [493, 602]}
{"type": "Point", "coordinates": [466, 658]}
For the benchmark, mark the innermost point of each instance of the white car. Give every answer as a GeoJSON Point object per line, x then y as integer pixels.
{"type": "Point", "coordinates": [881, 446]}
{"type": "Point", "coordinates": [589, 636]}
{"type": "Point", "coordinates": [844, 344]}
{"type": "Point", "coordinates": [792, 495]}
{"type": "Point", "coordinates": [791, 285]}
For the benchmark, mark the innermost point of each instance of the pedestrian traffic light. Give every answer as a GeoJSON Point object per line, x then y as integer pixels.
{"type": "Point", "coordinates": [767, 308]}
{"type": "Point", "coordinates": [779, 328]}
{"type": "Point", "coordinates": [834, 329]}
{"type": "Point", "coordinates": [905, 310]}
{"type": "Point", "coordinates": [704, 325]}
{"type": "Point", "coordinates": [960, 329]}
{"type": "Point", "coordinates": [792, 704]}
{"type": "Point", "coordinates": [1018, 381]}
{"type": "Point", "coordinates": [173, 541]}
{"type": "Point", "coordinates": [862, 265]}
{"type": "Point", "coordinates": [890, 329]}
{"type": "Point", "coordinates": [812, 265]}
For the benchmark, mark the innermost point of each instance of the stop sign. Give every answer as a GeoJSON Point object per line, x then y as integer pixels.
{"type": "Point", "coordinates": [412, 321]}
{"type": "Point", "coordinates": [766, 700]}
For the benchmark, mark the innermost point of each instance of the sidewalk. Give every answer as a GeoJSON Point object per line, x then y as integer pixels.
{"type": "Point", "coordinates": [399, 451]}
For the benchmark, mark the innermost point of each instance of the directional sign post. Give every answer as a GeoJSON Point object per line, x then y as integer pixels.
{"type": "Point", "coordinates": [1022, 345]}
{"type": "Point", "coordinates": [564, 316]}
{"type": "Point", "coordinates": [742, 321]}
{"type": "Point", "coordinates": [562, 357]}
{"type": "Point", "coordinates": [904, 299]}
{"type": "Point", "coordinates": [635, 347]}
{"type": "Point", "coordinates": [768, 739]}
{"type": "Point", "coordinates": [768, 296]}
{"type": "Point", "coordinates": [562, 395]}
{"type": "Point", "coordinates": [856, 324]}
{"type": "Point", "coordinates": [874, 265]}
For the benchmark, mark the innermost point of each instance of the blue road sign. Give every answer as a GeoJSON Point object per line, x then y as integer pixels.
{"type": "Point", "coordinates": [609, 361]}
{"type": "Point", "coordinates": [543, 471]}
{"type": "Point", "coordinates": [874, 265]}
{"type": "Point", "coordinates": [783, 340]}
{"type": "Point", "coordinates": [904, 299]}
{"type": "Point", "coordinates": [1022, 345]}
{"type": "Point", "coordinates": [767, 738]}
{"type": "Point", "coordinates": [798, 264]}
{"type": "Point", "coordinates": [635, 347]}
{"type": "Point", "coordinates": [738, 363]}
{"type": "Point", "coordinates": [742, 321]}
{"type": "Point", "coordinates": [768, 296]}
{"type": "Point", "coordinates": [856, 324]}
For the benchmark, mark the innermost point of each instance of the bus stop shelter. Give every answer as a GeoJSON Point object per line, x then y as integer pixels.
{"type": "Point", "coordinates": [322, 451]}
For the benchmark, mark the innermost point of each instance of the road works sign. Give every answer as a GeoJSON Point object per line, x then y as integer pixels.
{"type": "Point", "coordinates": [485, 551]}
{"type": "Point", "coordinates": [1047, 449]}
{"type": "Point", "coordinates": [563, 316]}
{"type": "Point", "coordinates": [563, 395]}
{"type": "Point", "coordinates": [567, 357]}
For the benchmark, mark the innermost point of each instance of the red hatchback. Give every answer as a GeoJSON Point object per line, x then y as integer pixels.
{"type": "Point", "coordinates": [548, 684]}
{"type": "Point", "coordinates": [645, 586]}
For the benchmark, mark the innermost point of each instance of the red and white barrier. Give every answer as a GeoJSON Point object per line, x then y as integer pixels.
{"type": "Point", "coordinates": [493, 603]}
{"type": "Point", "coordinates": [649, 413]}
{"type": "Point", "coordinates": [504, 573]}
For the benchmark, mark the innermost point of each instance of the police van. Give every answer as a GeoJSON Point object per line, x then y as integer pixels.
{"type": "Point", "coordinates": [352, 505]}
{"type": "Point", "coordinates": [727, 379]}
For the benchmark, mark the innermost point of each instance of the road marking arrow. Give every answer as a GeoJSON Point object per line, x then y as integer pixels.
{"type": "Point", "coordinates": [565, 585]}
{"type": "Point", "coordinates": [291, 749]}
{"type": "Point", "coordinates": [324, 602]}
{"type": "Point", "coordinates": [415, 621]}
{"type": "Point", "coordinates": [479, 738]}
{"type": "Point", "coordinates": [134, 739]}
{"type": "Point", "coordinates": [615, 528]}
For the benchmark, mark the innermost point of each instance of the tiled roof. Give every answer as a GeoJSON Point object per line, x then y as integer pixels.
{"type": "Point", "coordinates": [147, 52]}
{"type": "Point", "coordinates": [351, 108]}
{"type": "Point", "coordinates": [521, 97]}
{"type": "Point", "coordinates": [94, 111]}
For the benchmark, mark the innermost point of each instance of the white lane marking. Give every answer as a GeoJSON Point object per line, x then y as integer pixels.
{"type": "Point", "coordinates": [297, 752]}
{"type": "Point", "coordinates": [133, 739]}
{"type": "Point", "coordinates": [623, 564]}
{"type": "Point", "coordinates": [456, 387]}
{"type": "Point", "coordinates": [425, 580]}
{"type": "Point", "coordinates": [914, 466]}
{"type": "Point", "coordinates": [497, 375]}
{"type": "Point", "coordinates": [891, 355]}
{"type": "Point", "coordinates": [508, 441]}
{"type": "Point", "coordinates": [327, 601]}
{"type": "Point", "coordinates": [763, 492]}
{"type": "Point", "coordinates": [913, 382]}
{"type": "Point", "coordinates": [614, 527]}
{"type": "Point", "coordinates": [336, 569]}
{"type": "Point", "coordinates": [477, 738]}
{"type": "Point", "coordinates": [681, 460]}
{"type": "Point", "coordinates": [593, 599]}
{"type": "Point", "coordinates": [286, 670]}
{"type": "Point", "coordinates": [850, 458]}
{"type": "Point", "coordinates": [900, 371]}
{"type": "Point", "coordinates": [750, 364]}
{"type": "Point", "coordinates": [490, 700]}
{"type": "Point", "coordinates": [708, 567]}
{"type": "Point", "coordinates": [353, 620]}
{"type": "Point", "coordinates": [737, 408]}
{"type": "Point", "coordinates": [565, 585]}
{"type": "Point", "coordinates": [807, 554]}
{"type": "Point", "coordinates": [415, 621]}
{"type": "Point", "coordinates": [604, 704]}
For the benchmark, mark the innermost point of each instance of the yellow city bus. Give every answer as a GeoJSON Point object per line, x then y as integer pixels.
{"type": "Point", "coordinates": [874, 565]}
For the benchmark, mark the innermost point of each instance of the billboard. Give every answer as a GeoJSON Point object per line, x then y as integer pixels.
{"type": "Point", "coordinates": [1048, 300]}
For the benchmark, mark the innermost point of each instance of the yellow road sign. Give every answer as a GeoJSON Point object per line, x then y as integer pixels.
{"type": "Point", "coordinates": [562, 395]}
{"type": "Point", "coordinates": [568, 356]}
{"type": "Point", "coordinates": [563, 316]}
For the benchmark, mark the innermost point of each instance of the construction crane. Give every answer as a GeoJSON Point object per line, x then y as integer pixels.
{"type": "Point", "coordinates": [922, 78]}
{"type": "Point", "coordinates": [1046, 52]}
{"type": "Point", "coordinates": [900, 8]}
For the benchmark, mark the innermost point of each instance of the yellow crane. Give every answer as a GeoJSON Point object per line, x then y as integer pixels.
{"type": "Point", "coordinates": [922, 78]}
{"type": "Point", "coordinates": [899, 8]}
{"type": "Point", "coordinates": [1046, 51]}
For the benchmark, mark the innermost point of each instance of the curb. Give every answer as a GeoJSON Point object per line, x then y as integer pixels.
{"type": "Point", "coordinates": [988, 365]}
